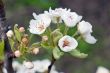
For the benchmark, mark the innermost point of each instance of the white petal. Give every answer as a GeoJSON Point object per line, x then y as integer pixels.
{"type": "Point", "coordinates": [45, 18]}
{"type": "Point", "coordinates": [71, 18]}
{"type": "Point", "coordinates": [34, 26]}
{"type": "Point", "coordinates": [102, 70]}
{"type": "Point", "coordinates": [90, 39]}
{"type": "Point", "coordinates": [35, 15]}
{"type": "Point", "coordinates": [33, 23]}
{"type": "Point", "coordinates": [84, 27]}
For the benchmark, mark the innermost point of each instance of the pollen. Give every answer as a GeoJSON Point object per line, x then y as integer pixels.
{"type": "Point", "coordinates": [66, 43]}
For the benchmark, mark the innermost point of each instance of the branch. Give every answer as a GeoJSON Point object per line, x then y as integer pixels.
{"type": "Point", "coordinates": [7, 49]}
{"type": "Point", "coordinates": [52, 63]}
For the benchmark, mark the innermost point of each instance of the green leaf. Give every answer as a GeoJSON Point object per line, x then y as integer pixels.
{"type": "Point", "coordinates": [57, 53]}
{"type": "Point", "coordinates": [56, 34]}
{"type": "Point", "coordinates": [2, 50]}
{"type": "Point", "coordinates": [46, 46]}
{"type": "Point", "coordinates": [12, 42]}
{"type": "Point", "coordinates": [78, 54]}
{"type": "Point", "coordinates": [17, 33]}
{"type": "Point", "coordinates": [35, 44]}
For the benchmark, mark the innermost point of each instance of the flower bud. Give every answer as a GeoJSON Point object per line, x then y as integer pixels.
{"type": "Point", "coordinates": [35, 51]}
{"type": "Point", "coordinates": [10, 33]}
{"type": "Point", "coordinates": [45, 38]}
{"type": "Point", "coordinates": [25, 41]}
{"type": "Point", "coordinates": [17, 53]}
{"type": "Point", "coordinates": [28, 64]}
{"type": "Point", "coordinates": [21, 29]}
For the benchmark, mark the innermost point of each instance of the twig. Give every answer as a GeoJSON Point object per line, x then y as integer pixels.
{"type": "Point", "coordinates": [52, 63]}
{"type": "Point", "coordinates": [7, 49]}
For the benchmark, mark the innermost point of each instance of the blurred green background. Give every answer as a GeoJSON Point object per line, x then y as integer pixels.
{"type": "Point", "coordinates": [97, 12]}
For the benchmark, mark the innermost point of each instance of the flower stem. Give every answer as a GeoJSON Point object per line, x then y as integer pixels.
{"type": "Point", "coordinates": [31, 36]}
{"type": "Point", "coordinates": [75, 34]}
{"type": "Point", "coordinates": [66, 30]}
{"type": "Point", "coordinates": [58, 25]}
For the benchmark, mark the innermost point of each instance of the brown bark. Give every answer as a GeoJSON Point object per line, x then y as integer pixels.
{"type": "Point", "coordinates": [7, 49]}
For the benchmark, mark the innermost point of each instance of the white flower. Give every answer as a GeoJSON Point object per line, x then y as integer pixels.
{"type": "Point", "coordinates": [70, 18]}
{"type": "Point", "coordinates": [16, 65]}
{"type": "Point", "coordinates": [28, 64]}
{"type": "Point", "coordinates": [4, 70]}
{"type": "Point", "coordinates": [89, 39]}
{"type": "Point", "coordinates": [102, 70]}
{"type": "Point", "coordinates": [37, 26]}
{"type": "Point", "coordinates": [41, 65]}
{"type": "Point", "coordinates": [44, 18]}
{"type": "Point", "coordinates": [85, 29]}
{"type": "Point", "coordinates": [17, 53]}
{"type": "Point", "coordinates": [10, 33]}
{"type": "Point", "coordinates": [55, 15]}
{"type": "Point", "coordinates": [67, 43]}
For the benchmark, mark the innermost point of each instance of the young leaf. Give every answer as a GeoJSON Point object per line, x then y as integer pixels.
{"type": "Point", "coordinates": [57, 53]}
{"type": "Point", "coordinates": [35, 44]}
{"type": "Point", "coordinates": [78, 54]}
{"type": "Point", "coordinates": [2, 50]}
{"type": "Point", "coordinates": [46, 46]}
{"type": "Point", "coordinates": [12, 42]}
{"type": "Point", "coordinates": [17, 33]}
{"type": "Point", "coordinates": [56, 34]}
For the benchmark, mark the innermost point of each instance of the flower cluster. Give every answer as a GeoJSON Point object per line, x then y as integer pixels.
{"type": "Point", "coordinates": [41, 22]}
{"type": "Point", "coordinates": [40, 66]}
{"type": "Point", "coordinates": [60, 31]}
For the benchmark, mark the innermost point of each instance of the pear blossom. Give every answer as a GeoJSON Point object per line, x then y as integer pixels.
{"type": "Point", "coordinates": [42, 65]}
{"type": "Point", "coordinates": [16, 65]}
{"type": "Point", "coordinates": [85, 29]}
{"type": "Point", "coordinates": [89, 39]}
{"type": "Point", "coordinates": [102, 70]}
{"type": "Point", "coordinates": [4, 70]}
{"type": "Point", "coordinates": [37, 26]}
{"type": "Point", "coordinates": [44, 18]}
{"type": "Point", "coordinates": [67, 43]}
{"type": "Point", "coordinates": [55, 15]}
{"type": "Point", "coordinates": [10, 33]}
{"type": "Point", "coordinates": [70, 18]}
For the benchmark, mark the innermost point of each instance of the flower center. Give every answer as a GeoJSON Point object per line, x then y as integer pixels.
{"type": "Point", "coordinates": [71, 17]}
{"type": "Point", "coordinates": [66, 43]}
{"type": "Point", "coordinates": [41, 27]}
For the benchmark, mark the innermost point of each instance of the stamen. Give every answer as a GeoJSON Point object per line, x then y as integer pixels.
{"type": "Point", "coordinates": [66, 43]}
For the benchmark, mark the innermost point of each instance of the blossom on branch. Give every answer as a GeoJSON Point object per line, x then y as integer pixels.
{"type": "Point", "coordinates": [67, 43]}
{"type": "Point", "coordinates": [85, 29]}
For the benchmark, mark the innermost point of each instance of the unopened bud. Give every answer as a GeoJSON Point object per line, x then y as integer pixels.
{"type": "Point", "coordinates": [21, 29]}
{"type": "Point", "coordinates": [25, 41]}
{"type": "Point", "coordinates": [35, 51]}
{"type": "Point", "coordinates": [10, 33]}
{"type": "Point", "coordinates": [28, 64]}
{"type": "Point", "coordinates": [44, 38]}
{"type": "Point", "coordinates": [17, 53]}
